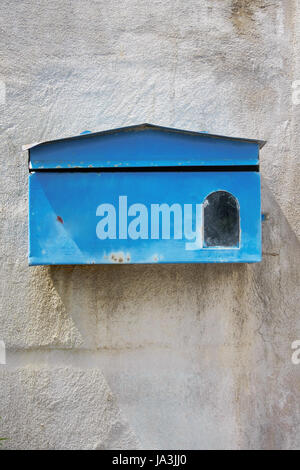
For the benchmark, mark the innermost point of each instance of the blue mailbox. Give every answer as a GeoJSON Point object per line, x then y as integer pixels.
{"type": "Point", "coordinates": [144, 194]}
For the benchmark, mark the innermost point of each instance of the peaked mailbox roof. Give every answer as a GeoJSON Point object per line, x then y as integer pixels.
{"type": "Point", "coordinates": [143, 145]}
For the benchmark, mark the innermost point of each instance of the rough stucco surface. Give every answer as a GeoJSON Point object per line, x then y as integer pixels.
{"type": "Point", "coordinates": [189, 356]}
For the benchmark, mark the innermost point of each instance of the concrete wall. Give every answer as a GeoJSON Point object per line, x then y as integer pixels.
{"type": "Point", "coordinates": [190, 356]}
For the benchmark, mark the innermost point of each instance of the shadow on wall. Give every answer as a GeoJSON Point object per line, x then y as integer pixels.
{"type": "Point", "coordinates": [105, 298]}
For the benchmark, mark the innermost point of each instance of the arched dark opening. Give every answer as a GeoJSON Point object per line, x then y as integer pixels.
{"type": "Point", "coordinates": [221, 220]}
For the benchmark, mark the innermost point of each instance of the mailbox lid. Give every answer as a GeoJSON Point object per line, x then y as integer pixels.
{"type": "Point", "coordinates": [144, 145]}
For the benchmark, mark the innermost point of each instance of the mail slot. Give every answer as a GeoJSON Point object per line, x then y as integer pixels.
{"type": "Point", "coordinates": [144, 194]}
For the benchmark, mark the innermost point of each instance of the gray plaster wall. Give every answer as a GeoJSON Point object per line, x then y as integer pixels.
{"type": "Point", "coordinates": [164, 356]}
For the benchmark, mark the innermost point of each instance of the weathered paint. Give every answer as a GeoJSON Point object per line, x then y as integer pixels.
{"type": "Point", "coordinates": [144, 145]}
{"type": "Point", "coordinates": [66, 188]}
{"type": "Point", "coordinates": [63, 216]}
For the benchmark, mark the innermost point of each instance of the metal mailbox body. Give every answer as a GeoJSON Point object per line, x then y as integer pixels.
{"type": "Point", "coordinates": [144, 194]}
